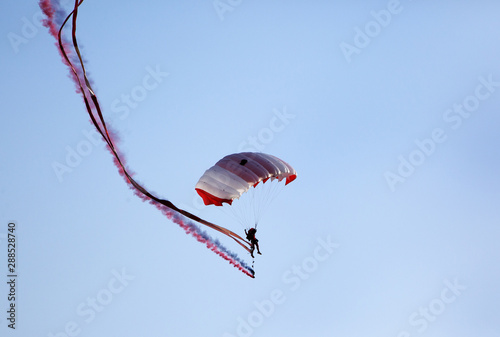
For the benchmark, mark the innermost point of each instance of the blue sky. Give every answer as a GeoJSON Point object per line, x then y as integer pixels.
{"type": "Point", "coordinates": [388, 110]}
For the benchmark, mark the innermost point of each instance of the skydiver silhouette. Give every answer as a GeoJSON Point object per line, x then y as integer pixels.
{"type": "Point", "coordinates": [253, 241]}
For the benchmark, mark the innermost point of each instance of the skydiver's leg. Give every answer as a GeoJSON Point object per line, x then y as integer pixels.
{"type": "Point", "coordinates": [258, 250]}
{"type": "Point", "coordinates": [252, 247]}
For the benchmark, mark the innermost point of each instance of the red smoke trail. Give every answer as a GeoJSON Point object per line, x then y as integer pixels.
{"type": "Point", "coordinates": [54, 20]}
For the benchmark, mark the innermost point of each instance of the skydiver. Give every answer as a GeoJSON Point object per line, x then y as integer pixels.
{"type": "Point", "coordinates": [253, 241]}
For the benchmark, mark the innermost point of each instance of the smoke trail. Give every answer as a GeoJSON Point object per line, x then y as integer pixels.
{"type": "Point", "coordinates": [55, 22]}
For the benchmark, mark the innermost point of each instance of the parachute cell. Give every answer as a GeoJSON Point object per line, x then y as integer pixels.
{"type": "Point", "coordinates": [235, 174]}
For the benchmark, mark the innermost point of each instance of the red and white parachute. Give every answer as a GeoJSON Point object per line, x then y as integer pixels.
{"type": "Point", "coordinates": [240, 173]}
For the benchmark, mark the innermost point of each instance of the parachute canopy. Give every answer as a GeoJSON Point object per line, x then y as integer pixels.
{"type": "Point", "coordinates": [236, 173]}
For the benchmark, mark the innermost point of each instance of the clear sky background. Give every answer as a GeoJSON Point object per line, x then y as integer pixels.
{"type": "Point", "coordinates": [389, 112]}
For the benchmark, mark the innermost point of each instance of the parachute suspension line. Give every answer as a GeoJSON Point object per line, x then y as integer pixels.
{"type": "Point", "coordinates": [249, 208]}
{"type": "Point", "coordinates": [267, 193]}
{"type": "Point", "coordinates": [256, 201]}
{"type": "Point", "coordinates": [100, 125]}
{"type": "Point", "coordinates": [241, 210]}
